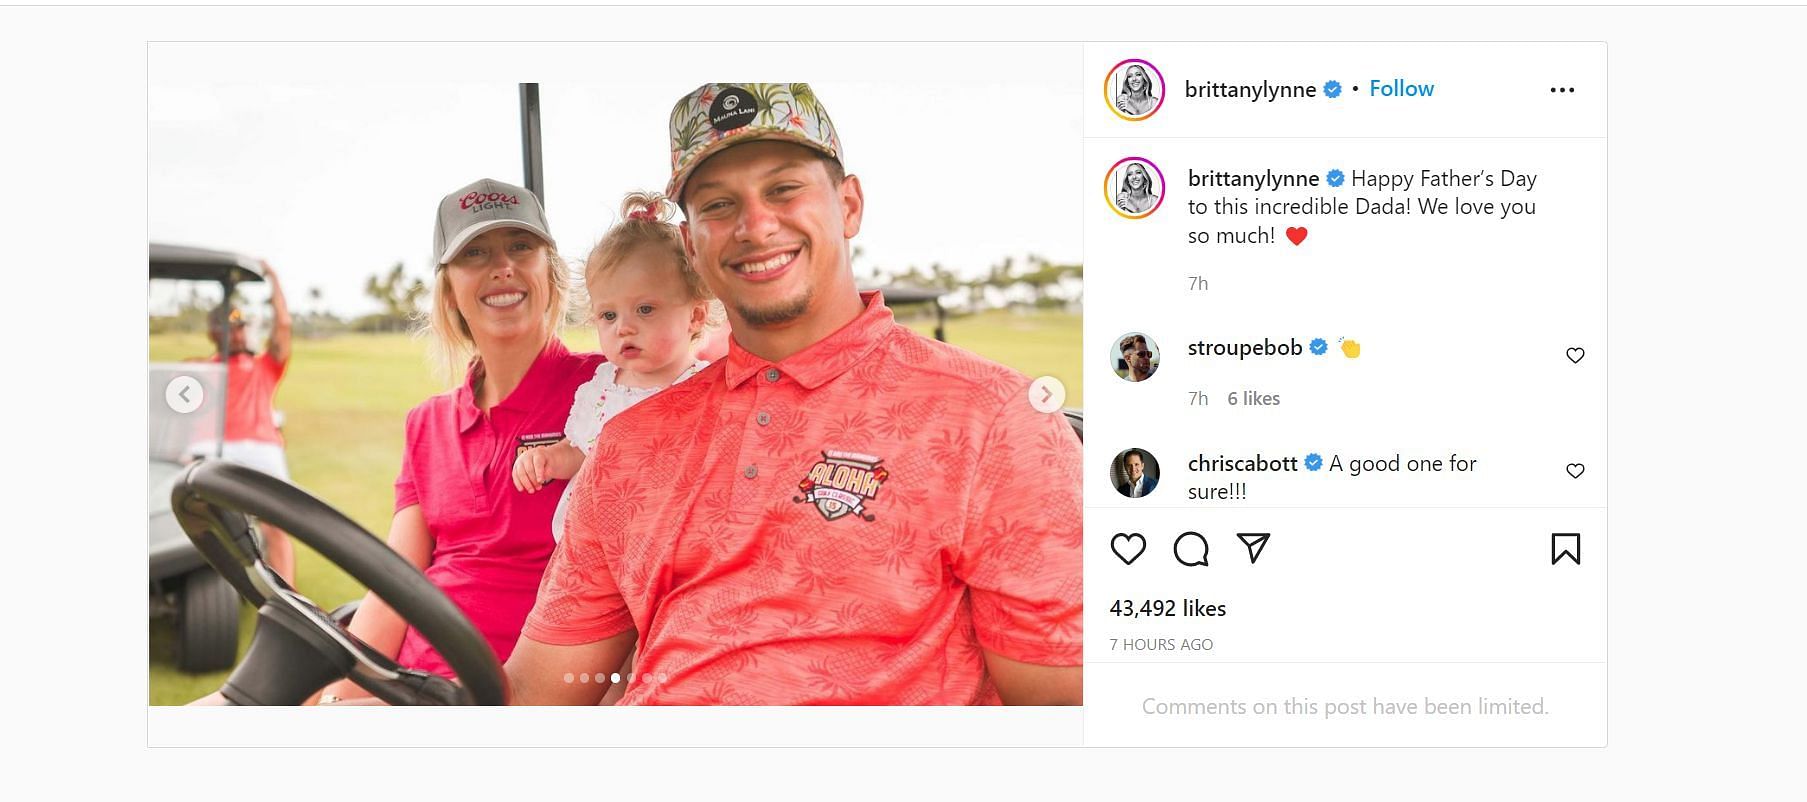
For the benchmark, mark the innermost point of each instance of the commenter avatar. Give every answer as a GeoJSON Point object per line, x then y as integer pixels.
{"type": "Point", "coordinates": [1135, 473]}
{"type": "Point", "coordinates": [1135, 357]}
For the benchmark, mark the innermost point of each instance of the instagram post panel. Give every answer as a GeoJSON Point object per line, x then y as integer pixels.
{"type": "Point", "coordinates": [615, 376]}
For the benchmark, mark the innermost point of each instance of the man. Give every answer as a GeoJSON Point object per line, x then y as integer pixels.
{"type": "Point", "coordinates": [1138, 361]}
{"type": "Point", "coordinates": [1139, 484]}
{"type": "Point", "coordinates": [251, 379]}
{"type": "Point", "coordinates": [839, 512]}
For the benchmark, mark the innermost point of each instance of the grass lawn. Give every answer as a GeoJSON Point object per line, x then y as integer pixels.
{"type": "Point", "coordinates": [345, 398]}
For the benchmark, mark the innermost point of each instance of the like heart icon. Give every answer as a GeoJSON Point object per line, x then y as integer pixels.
{"type": "Point", "coordinates": [1296, 234]}
{"type": "Point", "coordinates": [1129, 546]}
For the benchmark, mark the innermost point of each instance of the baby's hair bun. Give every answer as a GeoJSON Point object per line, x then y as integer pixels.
{"type": "Point", "coordinates": [652, 207]}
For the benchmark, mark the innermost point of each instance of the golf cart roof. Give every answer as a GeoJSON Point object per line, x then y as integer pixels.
{"type": "Point", "coordinates": [897, 294]}
{"type": "Point", "coordinates": [188, 263]}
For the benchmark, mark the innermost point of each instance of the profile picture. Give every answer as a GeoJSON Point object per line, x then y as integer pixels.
{"type": "Point", "coordinates": [1134, 187]}
{"type": "Point", "coordinates": [1135, 473]}
{"type": "Point", "coordinates": [1134, 357]}
{"type": "Point", "coordinates": [1134, 89]}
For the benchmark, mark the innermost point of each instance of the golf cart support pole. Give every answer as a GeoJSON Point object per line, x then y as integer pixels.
{"type": "Point", "coordinates": [222, 346]}
{"type": "Point", "coordinates": [531, 166]}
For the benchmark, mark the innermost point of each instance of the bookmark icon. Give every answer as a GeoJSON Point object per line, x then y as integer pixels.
{"type": "Point", "coordinates": [1565, 544]}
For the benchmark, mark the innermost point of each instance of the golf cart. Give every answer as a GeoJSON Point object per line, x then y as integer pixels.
{"type": "Point", "coordinates": [297, 648]}
{"type": "Point", "coordinates": [205, 554]}
{"type": "Point", "coordinates": [897, 295]}
{"type": "Point", "coordinates": [187, 415]}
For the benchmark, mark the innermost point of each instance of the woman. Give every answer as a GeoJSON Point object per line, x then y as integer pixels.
{"type": "Point", "coordinates": [1136, 95]}
{"type": "Point", "coordinates": [498, 300]}
{"type": "Point", "coordinates": [1136, 196]}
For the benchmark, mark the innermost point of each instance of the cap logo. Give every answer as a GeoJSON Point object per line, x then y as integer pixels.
{"type": "Point", "coordinates": [487, 200]}
{"type": "Point", "coordinates": [733, 108]}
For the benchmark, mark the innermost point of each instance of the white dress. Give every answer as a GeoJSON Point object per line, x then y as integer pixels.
{"type": "Point", "coordinates": [595, 402]}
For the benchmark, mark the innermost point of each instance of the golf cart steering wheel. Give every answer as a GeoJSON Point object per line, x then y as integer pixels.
{"type": "Point", "coordinates": [296, 648]}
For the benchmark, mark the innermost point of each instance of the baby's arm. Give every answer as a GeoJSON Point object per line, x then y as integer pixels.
{"type": "Point", "coordinates": [537, 466]}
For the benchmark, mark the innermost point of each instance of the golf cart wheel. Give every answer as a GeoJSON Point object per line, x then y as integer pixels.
{"type": "Point", "coordinates": [206, 623]}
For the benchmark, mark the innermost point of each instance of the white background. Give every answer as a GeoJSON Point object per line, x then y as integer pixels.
{"type": "Point", "coordinates": [1703, 428]}
{"type": "Point", "coordinates": [268, 157]}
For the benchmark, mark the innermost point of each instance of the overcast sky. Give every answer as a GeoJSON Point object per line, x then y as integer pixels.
{"type": "Point", "coordinates": [328, 160]}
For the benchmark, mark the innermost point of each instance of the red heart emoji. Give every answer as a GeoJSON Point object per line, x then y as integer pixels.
{"type": "Point", "coordinates": [1296, 234]}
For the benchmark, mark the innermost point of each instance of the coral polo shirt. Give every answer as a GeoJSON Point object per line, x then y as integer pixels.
{"type": "Point", "coordinates": [490, 541]}
{"type": "Point", "coordinates": [851, 525]}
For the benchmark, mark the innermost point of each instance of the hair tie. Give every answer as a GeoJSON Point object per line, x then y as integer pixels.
{"type": "Point", "coordinates": [650, 213]}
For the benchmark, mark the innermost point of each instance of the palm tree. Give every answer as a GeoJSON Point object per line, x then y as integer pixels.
{"type": "Point", "coordinates": [399, 297]}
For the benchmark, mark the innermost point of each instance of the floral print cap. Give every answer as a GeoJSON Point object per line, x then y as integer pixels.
{"type": "Point", "coordinates": [719, 116]}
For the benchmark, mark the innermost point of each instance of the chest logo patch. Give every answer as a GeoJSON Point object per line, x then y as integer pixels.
{"type": "Point", "coordinates": [527, 441]}
{"type": "Point", "coordinates": [841, 484]}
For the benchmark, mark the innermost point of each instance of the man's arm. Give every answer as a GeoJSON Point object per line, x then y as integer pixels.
{"type": "Point", "coordinates": [1020, 556]}
{"type": "Point", "coordinates": [537, 672]}
{"type": "Point", "coordinates": [278, 348]}
{"type": "Point", "coordinates": [1020, 683]}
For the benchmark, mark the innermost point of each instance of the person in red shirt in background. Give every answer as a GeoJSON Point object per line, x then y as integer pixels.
{"type": "Point", "coordinates": [251, 378]}
{"type": "Point", "coordinates": [842, 511]}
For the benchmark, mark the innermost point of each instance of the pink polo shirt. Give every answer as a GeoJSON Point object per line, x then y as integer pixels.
{"type": "Point", "coordinates": [490, 541]}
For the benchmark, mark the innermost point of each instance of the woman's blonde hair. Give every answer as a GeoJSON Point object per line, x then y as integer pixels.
{"type": "Point", "coordinates": [646, 224]}
{"type": "Point", "coordinates": [450, 347]}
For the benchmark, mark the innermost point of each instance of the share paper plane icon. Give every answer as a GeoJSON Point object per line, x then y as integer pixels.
{"type": "Point", "coordinates": [1256, 541]}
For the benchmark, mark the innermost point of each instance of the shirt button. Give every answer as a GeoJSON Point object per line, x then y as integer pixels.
{"type": "Point", "coordinates": [765, 418]}
{"type": "Point", "coordinates": [751, 471]}
{"type": "Point", "coordinates": [771, 374]}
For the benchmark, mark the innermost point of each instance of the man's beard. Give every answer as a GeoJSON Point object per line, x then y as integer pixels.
{"type": "Point", "coordinates": [779, 314]}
